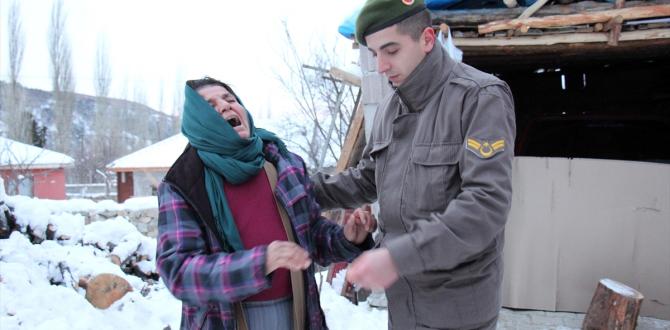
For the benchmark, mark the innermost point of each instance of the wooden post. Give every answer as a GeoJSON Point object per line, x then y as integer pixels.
{"type": "Point", "coordinates": [615, 32]}
{"type": "Point", "coordinates": [614, 306]}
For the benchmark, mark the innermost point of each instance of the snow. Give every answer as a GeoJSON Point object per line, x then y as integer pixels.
{"type": "Point", "coordinates": [619, 288]}
{"type": "Point", "coordinates": [29, 300]}
{"type": "Point", "coordinates": [342, 314]}
{"type": "Point", "coordinates": [38, 281]}
{"type": "Point", "coordinates": [14, 153]}
{"type": "Point", "coordinates": [160, 155]}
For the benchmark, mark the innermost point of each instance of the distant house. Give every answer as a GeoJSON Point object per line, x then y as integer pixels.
{"type": "Point", "coordinates": [33, 171]}
{"type": "Point", "coordinates": [139, 173]}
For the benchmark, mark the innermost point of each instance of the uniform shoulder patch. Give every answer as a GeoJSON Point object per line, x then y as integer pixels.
{"type": "Point", "coordinates": [485, 148]}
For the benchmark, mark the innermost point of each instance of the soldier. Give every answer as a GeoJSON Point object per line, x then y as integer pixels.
{"type": "Point", "coordinates": [439, 162]}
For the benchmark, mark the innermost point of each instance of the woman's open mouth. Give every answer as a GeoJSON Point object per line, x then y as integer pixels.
{"type": "Point", "coordinates": [234, 121]}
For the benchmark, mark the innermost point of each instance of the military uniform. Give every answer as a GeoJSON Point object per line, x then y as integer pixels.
{"type": "Point", "coordinates": [439, 161]}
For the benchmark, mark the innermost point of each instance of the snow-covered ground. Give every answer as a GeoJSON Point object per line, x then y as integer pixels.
{"type": "Point", "coordinates": [37, 281]}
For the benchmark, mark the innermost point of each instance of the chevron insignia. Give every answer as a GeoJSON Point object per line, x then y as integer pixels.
{"type": "Point", "coordinates": [485, 149]}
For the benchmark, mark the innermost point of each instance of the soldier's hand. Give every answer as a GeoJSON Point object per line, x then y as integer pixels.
{"type": "Point", "coordinates": [285, 254]}
{"type": "Point", "coordinates": [359, 224]}
{"type": "Point", "coordinates": [373, 269]}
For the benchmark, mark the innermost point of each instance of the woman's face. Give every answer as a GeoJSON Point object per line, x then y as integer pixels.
{"type": "Point", "coordinates": [225, 103]}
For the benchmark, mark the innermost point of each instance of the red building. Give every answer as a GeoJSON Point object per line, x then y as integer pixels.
{"type": "Point", "coordinates": [32, 171]}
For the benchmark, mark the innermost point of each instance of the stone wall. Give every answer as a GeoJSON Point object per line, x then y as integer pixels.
{"type": "Point", "coordinates": [145, 220]}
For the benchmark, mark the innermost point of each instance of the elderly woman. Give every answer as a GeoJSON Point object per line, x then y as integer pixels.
{"type": "Point", "coordinates": [239, 225]}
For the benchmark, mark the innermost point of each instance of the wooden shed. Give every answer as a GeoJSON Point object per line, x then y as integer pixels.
{"type": "Point", "coordinates": [140, 173]}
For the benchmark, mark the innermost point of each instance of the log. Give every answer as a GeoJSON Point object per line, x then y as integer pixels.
{"type": "Point", "coordinates": [577, 19]}
{"type": "Point", "coordinates": [7, 220]}
{"type": "Point", "coordinates": [51, 232]}
{"type": "Point", "coordinates": [474, 17]}
{"type": "Point", "coordinates": [104, 289]}
{"type": "Point", "coordinates": [614, 306]}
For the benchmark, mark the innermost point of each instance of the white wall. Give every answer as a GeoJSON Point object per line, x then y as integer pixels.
{"type": "Point", "coordinates": [576, 221]}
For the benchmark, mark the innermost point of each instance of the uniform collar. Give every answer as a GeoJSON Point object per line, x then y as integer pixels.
{"type": "Point", "coordinates": [427, 78]}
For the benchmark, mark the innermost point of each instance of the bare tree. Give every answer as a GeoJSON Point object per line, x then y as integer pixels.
{"type": "Point", "coordinates": [16, 117]}
{"type": "Point", "coordinates": [103, 70]}
{"type": "Point", "coordinates": [61, 76]}
{"type": "Point", "coordinates": [107, 143]}
{"type": "Point", "coordinates": [325, 103]}
{"type": "Point", "coordinates": [16, 41]}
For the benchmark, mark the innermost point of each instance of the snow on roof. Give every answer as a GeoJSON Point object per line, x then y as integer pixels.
{"type": "Point", "coordinates": [158, 156]}
{"type": "Point", "coordinates": [15, 154]}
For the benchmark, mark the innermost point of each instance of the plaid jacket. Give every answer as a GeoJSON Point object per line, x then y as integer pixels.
{"type": "Point", "coordinates": [207, 279]}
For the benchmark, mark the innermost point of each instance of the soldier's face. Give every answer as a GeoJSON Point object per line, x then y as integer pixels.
{"type": "Point", "coordinates": [397, 54]}
{"type": "Point", "coordinates": [227, 106]}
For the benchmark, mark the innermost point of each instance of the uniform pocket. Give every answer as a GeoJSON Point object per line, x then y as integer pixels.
{"type": "Point", "coordinates": [379, 154]}
{"type": "Point", "coordinates": [436, 154]}
{"type": "Point", "coordinates": [433, 176]}
{"type": "Point", "coordinates": [378, 148]}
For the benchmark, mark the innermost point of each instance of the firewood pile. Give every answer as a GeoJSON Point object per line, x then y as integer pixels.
{"type": "Point", "coordinates": [132, 254]}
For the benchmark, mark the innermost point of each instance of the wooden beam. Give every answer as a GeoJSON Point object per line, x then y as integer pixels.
{"type": "Point", "coordinates": [577, 19]}
{"type": "Point", "coordinates": [345, 76]}
{"type": "Point", "coordinates": [553, 39]}
{"type": "Point", "coordinates": [474, 17]}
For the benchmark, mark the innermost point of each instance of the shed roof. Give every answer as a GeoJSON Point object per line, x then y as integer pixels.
{"type": "Point", "coordinates": [156, 157]}
{"type": "Point", "coordinates": [14, 154]}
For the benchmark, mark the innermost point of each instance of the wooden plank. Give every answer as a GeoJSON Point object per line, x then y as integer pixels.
{"type": "Point", "coordinates": [577, 19]}
{"type": "Point", "coordinates": [561, 39]}
{"type": "Point", "coordinates": [346, 77]}
{"type": "Point", "coordinates": [470, 17]}
{"type": "Point", "coordinates": [353, 135]}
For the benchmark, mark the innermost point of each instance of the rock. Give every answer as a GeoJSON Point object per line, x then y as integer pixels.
{"type": "Point", "coordinates": [103, 290]}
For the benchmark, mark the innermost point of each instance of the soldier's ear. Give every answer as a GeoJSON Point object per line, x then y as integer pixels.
{"type": "Point", "coordinates": [427, 39]}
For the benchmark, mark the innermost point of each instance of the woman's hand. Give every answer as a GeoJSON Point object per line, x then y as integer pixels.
{"type": "Point", "coordinates": [359, 224]}
{"type": "Point", "coordinates": [285, 254]}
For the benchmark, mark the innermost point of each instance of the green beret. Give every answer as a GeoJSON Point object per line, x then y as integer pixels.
{"type": "Point", "coordinates": [379, 14]}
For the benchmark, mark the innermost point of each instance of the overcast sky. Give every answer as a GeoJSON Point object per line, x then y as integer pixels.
{"type": "Point", "coordinates": [156, 43]}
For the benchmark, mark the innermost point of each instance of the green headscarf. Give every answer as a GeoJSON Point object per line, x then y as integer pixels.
{"type": "Point", "coordinates": [225, 155]}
